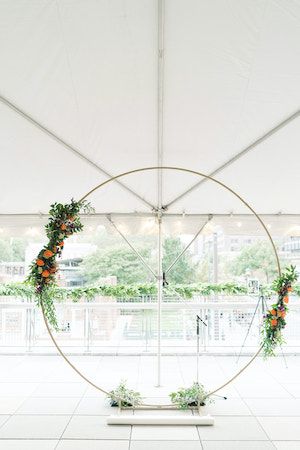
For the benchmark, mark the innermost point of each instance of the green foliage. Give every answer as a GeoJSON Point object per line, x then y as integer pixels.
{"type": "Point", "coordinates": [6, 252]}
{"type": "Point", "coordinates": [126, 292]}
{"type": "Point", "coordinates": [18, 247]}
{"type": "Point", "coordinates": [184, 271]}
{"type": "Point", "coordinates": [63, 222]}
{"type": "Point", "coordinates": [12, 249]}
{"type": "Point", "coordinates": [119, 261]}
{"type": "Point", "coordinates": [260, 258]}
{"type": "Point", "coordinates": [190, 397]}
{"type": "Point", "coordinates": [127, 396]}
{"type": "Point", "coordinates": [274, 320]}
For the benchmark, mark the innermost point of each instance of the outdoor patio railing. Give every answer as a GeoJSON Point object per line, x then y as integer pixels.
{"type": "Point", "coordinates": [114, 326]}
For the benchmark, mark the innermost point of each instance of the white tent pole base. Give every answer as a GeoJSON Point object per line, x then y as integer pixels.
{"type": "Point", "coordinates": [159, 420]}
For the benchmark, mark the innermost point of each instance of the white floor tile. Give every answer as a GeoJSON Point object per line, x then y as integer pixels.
{"type": "Point", "coordinates": [28, 444]}
{"type": "Point", "coordinates": [228, 391]}
{"type": "Point", "coordinates": [17, 389]}
{"type": "Point", "coordinates": [95, 427]}
{"type": "Point", "coordinates": [281, 428]}
{"type": "Point", "coordinates": [148, 390]}
{"type": "Point", "coordinates": [226, 427]}
{"type": "Point", "coordinates": [96, 406]}
{"type": "Point", "coordinates": [49, 405]}
{"type": "Point", "coordinates": [237, 445]}
{"type": "Point", "coordinates": [60, 390]}
{"type": "Point", "coordinates": [165, 445]}
{"type": "Point", "coordinates": [39, 421]}
{"type": "Point", "coordinates": [229, 407]}
{"type": "Point", "coordinates": [274, 407]}
{"type": "Point", "coordinates": [287, 445]}
{"type": "Point", "coordinates": [91, 391]}
{"type": "Point", "coordinates": [261, 390]}
{"type": "Point", "coordinates": [92, 445]}
{"type": "Point", "coordinates": [164, 433]}
{"type": "Point", "coordinates": [34, 427]}
{"type": "Point", "coordinates": [8, 405]}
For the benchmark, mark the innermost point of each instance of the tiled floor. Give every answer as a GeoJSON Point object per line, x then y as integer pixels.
{"type": "Point", "coordinates": [45, 405]}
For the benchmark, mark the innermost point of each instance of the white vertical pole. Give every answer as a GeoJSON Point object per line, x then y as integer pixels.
{"type": "Point", "coordinates": [160, 92]}
{"type": "Point", "coordinates": [159, 301]}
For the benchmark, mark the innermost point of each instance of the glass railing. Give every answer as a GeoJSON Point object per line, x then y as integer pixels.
{"type": "Point", "coordinates": [108, 325]}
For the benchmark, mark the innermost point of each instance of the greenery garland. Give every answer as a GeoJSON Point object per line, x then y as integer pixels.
{"type": "Point", "coordinates": [274, 320]}
{"type": "Point", "coordinates": [63, 222]}
{"type": "Point", "coordinates": [126, 292]}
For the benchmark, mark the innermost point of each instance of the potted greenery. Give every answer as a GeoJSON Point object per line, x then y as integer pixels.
{"type": "Point", "coordinates": [190, 397]}
{"type": "Point", "coordinates": [129, 398]}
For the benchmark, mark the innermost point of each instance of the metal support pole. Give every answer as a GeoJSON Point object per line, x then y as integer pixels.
{"type": "Point", "coordinates": [159, 300]}
{"type": "Point", "coordinates": [198, 347]}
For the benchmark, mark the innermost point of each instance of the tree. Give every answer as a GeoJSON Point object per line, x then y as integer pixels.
{"type": "Point", "coordinates": [13, 249]}
{"type": "Point", "coordinates": [185, 269]}
{"type": "Point", "coordinates": [18, 246]}
{"type": "Point", "coordinates": [259, 258]}
{"type": "Point", "coordinates": [119, 261]}
{"type": "Point", "coordinates": [6, 253]}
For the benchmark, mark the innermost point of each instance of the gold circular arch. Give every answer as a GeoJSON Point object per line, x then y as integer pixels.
{"type": "Point", "coordinates": [220, 184]}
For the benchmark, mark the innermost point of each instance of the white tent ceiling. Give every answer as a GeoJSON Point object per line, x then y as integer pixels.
{"type": "Point", "coordinates": [90, 89]}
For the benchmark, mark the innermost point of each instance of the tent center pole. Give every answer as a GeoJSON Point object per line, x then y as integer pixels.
{"type": "Point", "coordinates": [159, 301]}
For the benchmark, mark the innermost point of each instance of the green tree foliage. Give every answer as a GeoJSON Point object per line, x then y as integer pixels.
{"type": "Point", "coordinates": [119, 261]}
{"type": "Point", "coordinates": [259, 258]}
{"type": "Point", "coordinates": [13, 249]}
{"type": "Point", "coordinates": [18, 246]}
{"type": "Point", "coordinates": [184, 271]}
{"type": "Point", "coordinates": [6, 253]}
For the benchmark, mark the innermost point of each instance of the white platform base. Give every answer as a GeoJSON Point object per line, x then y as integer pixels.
{"type": "Point", "coordinates": [160, 420]}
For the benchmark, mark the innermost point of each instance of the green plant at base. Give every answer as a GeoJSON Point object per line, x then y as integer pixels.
{"type": "Point", "coordinates": [191, 396]}
{"type": "Point", "coordinates": [128, 396]}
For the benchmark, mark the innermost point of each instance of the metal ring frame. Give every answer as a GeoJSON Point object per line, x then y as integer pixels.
{"type": "Point", "coordinates": [228, 189]}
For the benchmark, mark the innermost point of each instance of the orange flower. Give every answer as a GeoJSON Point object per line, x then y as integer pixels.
{"type": "Point", "coordinates": [274, 322]}
{"type": "Point", "coordinates": [55, 249]}
{"type": "Point", "coordinates": [46, 273]}
{"type": "Point", "coordinates": [290, 289]}
{"type": "Point", "coordinates": [286, 299]}
{"type": "Point", "coordinates": [273, 312]}
{"type": "Point", "coordinates": [48, 254]}
{"type": "Point", "coordinates": [47, 280]}
{"type": "Point", "coordinates": [71, 218]}
{"type": "Point", "coordinates": [69, 233]}
{"type": "Point", "coordinates": [61, 244]}
{"type": "Point", "coordinates": [278, 313]}
{"type": "Point", "coordinates": [63, 227]}
{"type": "Point", "coordinates": [283, 314]}
{"type": "Point", "coordinates": [40, 262]}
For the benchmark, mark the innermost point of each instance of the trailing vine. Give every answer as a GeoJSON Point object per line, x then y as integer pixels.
{"type": "Point", "coordinates": [274, 320]}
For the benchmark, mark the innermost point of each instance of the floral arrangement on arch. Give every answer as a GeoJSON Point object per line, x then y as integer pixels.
{"type": "Point", "coordinates": [274, 321]}
{"type": "Point", "coordinates": [63, 222]}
